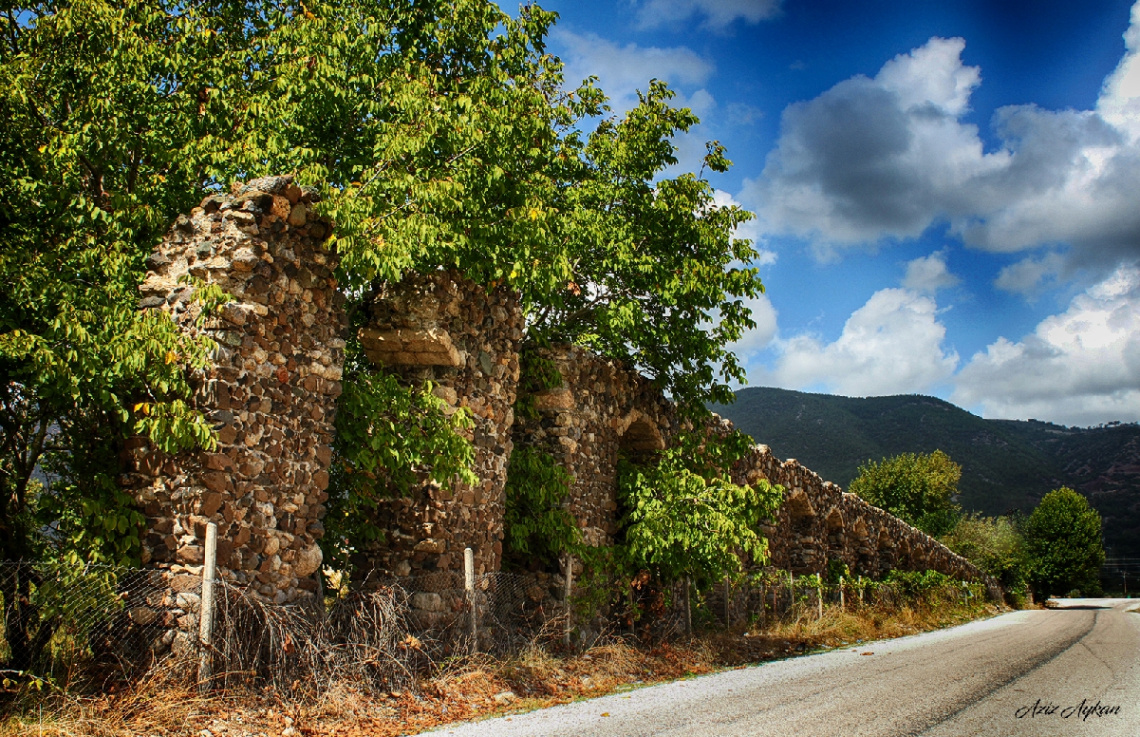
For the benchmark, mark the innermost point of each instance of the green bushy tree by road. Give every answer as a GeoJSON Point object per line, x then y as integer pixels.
{"type": "Point", "coordinates": [686, 519]}
{"type": "Point", "coordinates": [918, 488]}
{"type": "Point", "coordinates": [1064, 545]}
{"type": "Point", "coordinates": [995, 545]}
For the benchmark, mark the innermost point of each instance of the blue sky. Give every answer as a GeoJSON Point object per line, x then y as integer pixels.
{"type": "Point", "coordinates": [947, 193]}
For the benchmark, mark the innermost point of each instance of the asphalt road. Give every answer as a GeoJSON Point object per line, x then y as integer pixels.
{"type": "Point", "coordinates": [1033, 673]}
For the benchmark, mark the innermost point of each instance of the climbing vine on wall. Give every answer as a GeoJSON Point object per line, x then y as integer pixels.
{"type": "Point", "coordinates": [536, 521]}
{"type": "Point", "coordinates": [537, 374]}
{"type": "Point", "coordinates": [389, 437]}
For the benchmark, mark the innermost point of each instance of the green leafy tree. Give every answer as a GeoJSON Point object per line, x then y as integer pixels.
{"type": "Point", "coordinates": [996, 546]}
{"type": "Point", "coordinates": [425, 124]}
{"type": "Point", "coordinates": [1064, 544]}
{"type": "Point", "coordinates": [440, 135]}
{"type": "Point", "coordinates": [686, 519]}
{"type": "Point", "coordinates": [918, 488]}
{"type": "Point", "coordinates": [653, 275]}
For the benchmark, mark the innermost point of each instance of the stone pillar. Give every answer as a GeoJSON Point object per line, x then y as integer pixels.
{"type": "Point", "coordinates": [443, 328]}
{"type": "Point", "coordinates": [270, 392]}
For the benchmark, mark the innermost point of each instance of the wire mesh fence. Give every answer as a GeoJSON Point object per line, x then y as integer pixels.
{"type": "Point", "coordinates": [83, 627]}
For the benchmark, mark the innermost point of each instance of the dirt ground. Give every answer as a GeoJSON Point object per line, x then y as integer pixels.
{"type": "Point", "coordinates": [460, 689]}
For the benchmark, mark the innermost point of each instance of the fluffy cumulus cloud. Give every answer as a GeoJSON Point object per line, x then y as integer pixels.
{"type": "Point", "coordinates": [622, 70]}
{"type": "Point", "coordinates": [929, 274]}
{"type": "Point", "coordinates": [890, 345]}
{"type": "Point", "coordinates": [755, 341]}
{"type": "Point", "coordinates": [1029, 275]}
{"type": "Point", "coordinates": [715, 15]}
{"type": "Point", "coordinates": [873, 159]}
{"type": "Point", "coordinates": [1080, 367]}
{"type": "Point", "coordinates": [876, 159]}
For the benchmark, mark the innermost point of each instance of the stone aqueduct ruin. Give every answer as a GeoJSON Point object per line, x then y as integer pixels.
{"type": "Point", "coordinates": [272, 389]}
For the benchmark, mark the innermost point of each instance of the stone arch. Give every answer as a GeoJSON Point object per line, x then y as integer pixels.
{"type": "Point", "coordinates": [835, 533]}
{"type": "Point", "coordinates": [638, 434]}
{"type": "Point", "coordinates": [639, 440]}
{"type": "Point", "coordinates": [801, 514]}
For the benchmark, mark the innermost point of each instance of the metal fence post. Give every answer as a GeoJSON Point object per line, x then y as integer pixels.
{"type": "Point", "coordinates": [819, 599]}
{"type": "Point", "coordinates": [469, 587]}
{"type": "Point", "coordinates": [206, 609]}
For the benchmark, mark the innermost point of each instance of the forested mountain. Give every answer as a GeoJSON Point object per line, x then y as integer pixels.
{"type": "Point", "coordinates": [1007, 465]}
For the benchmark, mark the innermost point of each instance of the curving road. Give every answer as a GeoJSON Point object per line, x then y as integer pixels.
{"type": "Point", "coordinates": [1036, 673]}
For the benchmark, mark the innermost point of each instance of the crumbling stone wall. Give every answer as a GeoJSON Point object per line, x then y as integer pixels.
{"type": "Point", "coordinates": [600, 410]}
{"type": "Point", "coordinates": [818, 522]}
{"type": "Point", "coordinates": [443, 328]}
{"type": "Point", "coordinates": [603, 409]}
{"type": "Point", "coordinates": [270, 391]}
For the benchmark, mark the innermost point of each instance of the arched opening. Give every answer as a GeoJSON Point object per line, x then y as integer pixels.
{"type": "Point", "coordinates": [639, 438]}
{"type": "Point", "coordinates": [887, 553]}
{"type": "Point", "coordinates": [638, 443]}
{"type": "Point", "coordinates": [801, 515]}
{"type": "Point", "coordinates": [835, 533]}
{"type": "Point", "coordinates": [864, 552]}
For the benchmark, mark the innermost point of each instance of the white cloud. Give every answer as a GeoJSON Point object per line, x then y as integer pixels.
{"type": "Point", "coordinates": [1119, 102]}
{"type": "Point", "coordinates": [1079, 367]}
{"type": "Point", "coordinates": [623, 70]}
{"type": "Point", "coordinates": [874, 160]}
{"type": "Point", "coordinates": [759, 338]}
{"type": "Point", "coordinates": [1029, 275]}
{"type": "Point", "coordinates": [890, 345]}
{"type": "Point", "coordinates": [929, 274]}
{"type": "Point", "coordinates": [717, 15]}
{"type": "Point", "coordinates": [742, 114]}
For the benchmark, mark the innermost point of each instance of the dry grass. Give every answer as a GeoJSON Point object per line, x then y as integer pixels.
{"type": "Point", "coordinates": [458, 689]}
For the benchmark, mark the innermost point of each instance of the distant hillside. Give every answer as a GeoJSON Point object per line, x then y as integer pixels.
{"type": "Point", "coordinates": [1006, 465]}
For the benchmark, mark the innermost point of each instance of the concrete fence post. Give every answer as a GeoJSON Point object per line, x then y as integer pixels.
{"type": "Point", "coordinates": [727, 604]}
{"type": "Point", "coordinates": [842, 599]}
{"type": "Point", "coordinates": [568, 588]}
{"type": "Point", "coordinates": [469, 588]}
{"type": "Point", "coordinates": [819, 600]}
{"type": "Point", "coordinates": [688, 607]}
{"type": "Point", "coordinates": [206, 609]}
